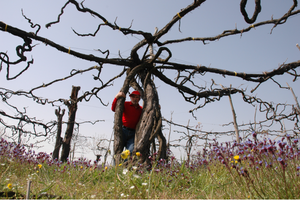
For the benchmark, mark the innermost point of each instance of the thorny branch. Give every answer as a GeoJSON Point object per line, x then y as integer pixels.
{"type": "Point", "coordinates": [286, 15]}
{"type": "Point", "coordinates": [24, 121]}
{"type": "Point", "coordinates": [189, 89]}
{"type": "Point", "coordinates": [235, 31]}
{"type": "Point", "coordinates": [264, 130]}
{"type": "Point", "coordinates": [31, 24]}
{"type": "Point", "coordinates": [81, 8]}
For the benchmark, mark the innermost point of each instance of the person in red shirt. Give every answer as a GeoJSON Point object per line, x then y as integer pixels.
{"type": "Point", "coordinates": [131, 116]}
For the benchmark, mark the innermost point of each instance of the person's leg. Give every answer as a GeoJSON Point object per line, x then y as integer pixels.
{"type": "Point", "coordinates": [130, 140]}
{"type": "Point", "coordinates": [130, 144]}
{"type": "Point", "coordinates": [125, 136]}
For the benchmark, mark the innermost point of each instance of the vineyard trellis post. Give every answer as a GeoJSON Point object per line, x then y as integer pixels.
{"type": "Point", "coordinates": [295, 98]}
{"type": "Point", "coordinates": [72, 106]}
{"type": "Point", "coordinates": [58, 142]}
{"type": "Point", "coordinates": [234, 120]}
{"type": "Point", "coordinates": [236, 129]}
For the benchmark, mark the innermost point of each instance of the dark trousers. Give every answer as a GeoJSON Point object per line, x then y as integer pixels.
{"type": "Point", "coordinates": [128, 138]}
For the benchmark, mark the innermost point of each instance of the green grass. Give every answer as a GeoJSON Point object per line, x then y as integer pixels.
{"type": "Point", "coordinates": [217, 175]}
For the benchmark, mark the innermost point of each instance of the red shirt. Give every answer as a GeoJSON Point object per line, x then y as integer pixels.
{"type": "Point", "coordinates": [131, 113]}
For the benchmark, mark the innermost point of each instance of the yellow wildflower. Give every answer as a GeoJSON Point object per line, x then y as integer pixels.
{"type": "Point", "coordinates": [81, 167]}
{"type": "Point", "coordinates": [125, 154]}
{"type": "Point", "coordinates": [9, 186]}
{"type": "Point", "coordinates": [105, 168]}
{"type": "Point", "coordinates": [236, 157]}
{"type": "Point", "coordinates": [138, 154]}
{"type": "Point", "coordinates": [40, 166]}
{"type": "Point", "coordinates": [120, 165]}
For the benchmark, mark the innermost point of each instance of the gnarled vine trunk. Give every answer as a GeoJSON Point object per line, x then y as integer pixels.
{"type": "Point", "coordinates": [150, 122]}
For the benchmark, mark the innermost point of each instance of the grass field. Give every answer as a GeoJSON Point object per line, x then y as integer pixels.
{"type": "Point", "coordinates": [249, 170]}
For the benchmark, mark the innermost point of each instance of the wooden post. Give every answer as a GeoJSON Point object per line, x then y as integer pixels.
{"type": "Point", "coordinates": [234, 120]}
{"type": "Point", "coordinates": [58, 141]}
{"type": "Point", "coordinates": [72, 106]}
{"type": "Point", "coordinates": [296, 100]}
{"type": "Point", "coordinates": [255, 118]}
{"type": "Point", "coordinates": [189, 144]}
{"type": "Point", "coordinates": [168, 145]}
{"type": "Point", "coordinates": [28, 189]}
{"type": "Point", "coordinates": [234, 117]}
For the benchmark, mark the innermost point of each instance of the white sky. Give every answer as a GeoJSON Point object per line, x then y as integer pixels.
{"type": "Point", "coordinates": [254, 52]}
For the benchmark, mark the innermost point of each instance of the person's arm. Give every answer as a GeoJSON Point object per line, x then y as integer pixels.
{"type": "Point", "coordinates": [114, 103]}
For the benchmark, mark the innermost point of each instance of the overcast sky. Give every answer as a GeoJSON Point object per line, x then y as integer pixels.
{"type": "Point", "coordinates": [253, 52]}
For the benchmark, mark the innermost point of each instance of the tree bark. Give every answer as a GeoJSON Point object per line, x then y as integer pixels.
{"type": "Point", "coordinates": [72, 106]}
{"type": "Point", "coordinates": [118, 142]}
{"type": "Point", "coordinates": [162, 151]}
{"type": "Point", "coordinates": [150, 123]}
{"type": "Point", "coordinates": [58, 142]}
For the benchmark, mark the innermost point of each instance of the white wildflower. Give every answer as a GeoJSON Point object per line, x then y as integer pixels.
{"type": "Point", "coordinates": [81, 184]}
{"type": "Point", "coordinates": [125, 171]}
{"type": "Point", "coordinates": [136, 176]}
{"type": "Point", "coordinates": [144, 183]}
{"type": "Point", "coordinates": [132, 187]}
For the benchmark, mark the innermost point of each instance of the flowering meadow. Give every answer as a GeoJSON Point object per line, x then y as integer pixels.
{"type": "Point", "coordinates": [250, 170]}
